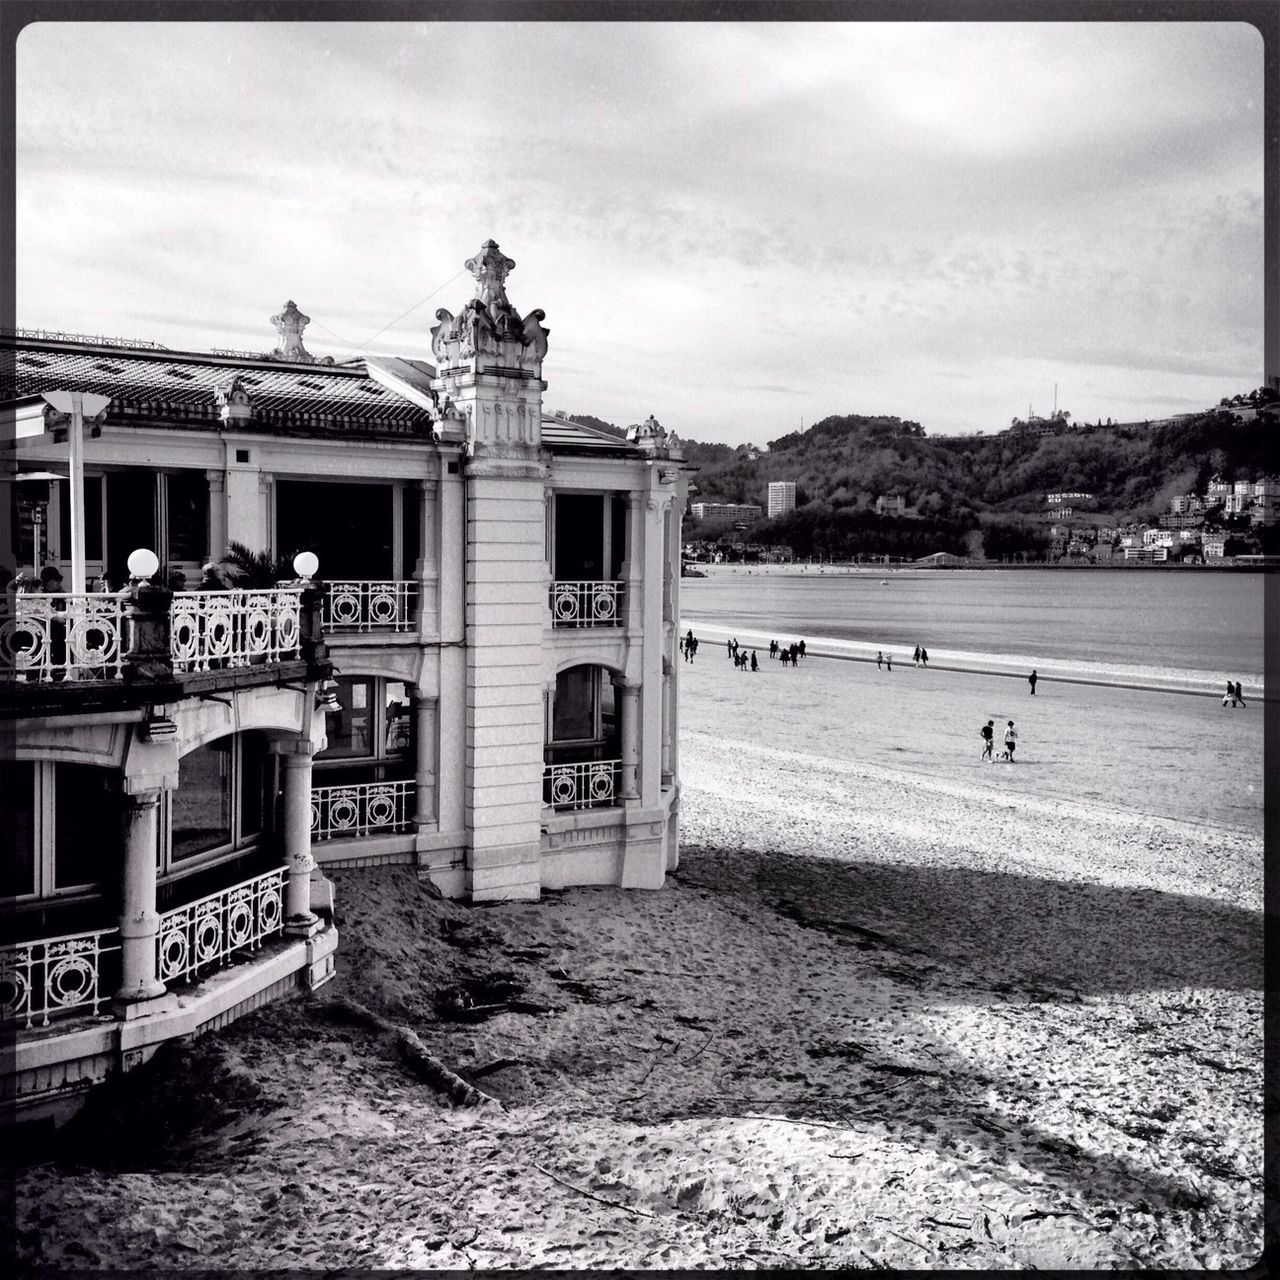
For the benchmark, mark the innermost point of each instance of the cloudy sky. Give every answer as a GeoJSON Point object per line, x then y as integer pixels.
{"type": "Point", "coordinates": [737, 227]}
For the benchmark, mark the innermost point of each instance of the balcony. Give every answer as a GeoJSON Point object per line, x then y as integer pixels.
{"type": "Point", "coordinates": [587, 604]}
{"type": "Point", "coordinates": [583, 784]}
{"type": "Point", "coordinates": [208, 933]}
{"type": "Point", "coordinates": [76, 974]}
{"type": "Point", "coordinates": [361, 809]}
{"type": "Point", "coordinates": [364, 606]}
{"type": "Point", "coordinates": [56, 977]}
{"type": "Point", "coordinates": [149, 632]}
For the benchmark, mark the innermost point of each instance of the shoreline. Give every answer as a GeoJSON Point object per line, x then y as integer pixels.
{"type": "Point", "coordinates": [1050, 671]}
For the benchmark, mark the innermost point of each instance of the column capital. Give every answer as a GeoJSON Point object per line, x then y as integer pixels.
{"type": "Point", "coordinates": [628, 684]}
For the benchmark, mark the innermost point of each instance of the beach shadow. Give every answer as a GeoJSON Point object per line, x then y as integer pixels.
{"type": "Point", "coordinates": [1006, 932]}
{"type": "Point", "coordinates": [970, 937]}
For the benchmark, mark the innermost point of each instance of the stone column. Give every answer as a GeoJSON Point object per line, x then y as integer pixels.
{"type": "Point", "coordinates": [217, 514]}
{"type": "Point", "coordinates": [426, 572]}
{"type": "Point", "coordinates": [629, 712]}
{"type": "Point", "coordinates": [633, 564]}
{"type": "Point", "coordinates": [424, 769]}
{"type": "Point", "coordinates": [299, 919]}
{"type": "Point", "coordinates": [451, 711]}
{"type": "Point", "coordinates": [139, 919]}
{"type": "Point", "coordinates": [668, 718]}
{"type": "Point", "coordinates": [652, 692]}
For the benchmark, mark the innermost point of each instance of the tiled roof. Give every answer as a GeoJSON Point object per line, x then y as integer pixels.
{"type": "Point", "coordinates": [185, 384]}
{"type": "Point", "coordinates": [561, 433]}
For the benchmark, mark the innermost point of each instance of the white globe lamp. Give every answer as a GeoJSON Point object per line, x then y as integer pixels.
{"type": "Point", "coordinates": [142, 563]}
{"type": "Point", "coordinates": [305, 564]}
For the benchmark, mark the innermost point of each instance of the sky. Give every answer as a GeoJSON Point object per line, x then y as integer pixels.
{"type": "Point", "coordinates": [740, 228]}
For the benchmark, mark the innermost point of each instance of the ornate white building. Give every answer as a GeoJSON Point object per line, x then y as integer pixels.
{"type": "Point", "coordinates": [468, 667]}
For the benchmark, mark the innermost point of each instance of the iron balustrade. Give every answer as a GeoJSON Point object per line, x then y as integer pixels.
{"type": "Point", "coordinates": [583, 784]}
{"type": "Point", "coordinates": [54, 976]}
{"type": "Point", "coordinates": [208, 932]}
{"type": "Point", "coordinates": [62, 636]}
{"type": "Point", "coordinates": [587, 604]}
{"type": "Point", "coordinates": [367, 604]}
{"type": "Point", "coordinates": [361, 809]}
{"type": "Point", "coordinates": [212, 630]}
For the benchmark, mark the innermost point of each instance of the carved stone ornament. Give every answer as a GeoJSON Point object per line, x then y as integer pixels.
{"type": "Point", "coordinates": [489, 326]}
{"type": "Point", "coordinates": [649, 434]}
{"type": "Point", "coordinates": [233, 401]}
{"type": "Point", "coordinates": [289, 324]}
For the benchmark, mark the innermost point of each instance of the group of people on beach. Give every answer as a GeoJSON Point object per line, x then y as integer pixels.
{"type": "Point", "coordinates": [689, 645]}
{"type": "Point", "coordinates": [788, 654]}
{"type": "Point", "coordinates": [1234, 694]}
{"type": "Point", "coordinates": [988, 732]}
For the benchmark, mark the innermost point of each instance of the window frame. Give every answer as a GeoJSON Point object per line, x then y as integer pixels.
{"type": "Point", "coordinates": [170, 868]}
{"type": "Point", "coordinates": [380, 760]}
{"type": "Point", "coordinates": [44, 822]}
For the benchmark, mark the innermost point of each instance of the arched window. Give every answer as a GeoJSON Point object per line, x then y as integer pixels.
{"type": "Point", "coordinates": [583, 716]}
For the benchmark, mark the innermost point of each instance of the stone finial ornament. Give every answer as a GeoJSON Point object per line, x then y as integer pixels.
{"type": "Point", "coordinates": [649, 434]}
{"type": "Point", "coordinates": [489, 325]}
{"type": "Point", "coordinates": [289, 324]}
{"type": "Point", "coordinates": [233, 401]}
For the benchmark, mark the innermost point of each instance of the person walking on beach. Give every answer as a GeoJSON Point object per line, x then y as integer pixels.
{"type": "Point", "coordinates": [693, 648]}
{"type": "Point", "coordinates": [755, 666]}
{"type": "Point", "coordinates": [988, 732]}
{"type": "Point", "coordinates": [800, 646]}
{"type": "Point", "coordinates": [1031, 680]}
{"type": "Point", "coordinates": [879, 659]}
{"type": "Point", "coordinates": [924, 656]}
{"type": "Point", "coordinates": [728, 647]}
{"type": "Point", "coordinates": [915, 657]}
{"type": "Point", "coordinates": [1240, 695]}
{"type": "Point", "coordinates": [1230, 694]}
{"type": "Point", "coordinates": [888, 662]}
{"type": "Point", "coordinates": [773, 648]}
{"type": "Point", "coordinates": [1010, 742]}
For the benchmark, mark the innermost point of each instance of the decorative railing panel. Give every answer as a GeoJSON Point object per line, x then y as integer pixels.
{"type": "Point", "coordinates": [368, 605]}
{"type": "Point", "coordinates": [208, 932]}
{"type": "Point", "coordinates": [361, 809]}
{"type": "Point", "coordinates": [587, 784]}
{"type": "Point", "coordinates": [62, 637]}
{"type": "Point", "coordinates": [55, 976]}
{"type": "Point", "coordinates": [212, 630]}
{"type": "Point", "coordinates": [587, 604]}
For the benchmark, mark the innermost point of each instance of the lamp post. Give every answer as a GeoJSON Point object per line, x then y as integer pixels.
{"type": "Point", "coordinates": [76, 404]}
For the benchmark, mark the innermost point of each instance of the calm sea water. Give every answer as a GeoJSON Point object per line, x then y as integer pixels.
{"type": "Point", "coordinates": [1181, 625]}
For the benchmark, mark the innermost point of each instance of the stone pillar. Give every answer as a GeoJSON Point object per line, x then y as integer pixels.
{"type": "Point", "coordinates": [217, 514]}
{"type": "Point", "coordinates": [668, 721]}
{"type": "Point", "coordinates": [299, 919]}
{"type": "Point", "coordinates": [629, 715]}
{"type": "Point", "coordinates": [651, 676]}
{"type": "Point", "coordinates": [424, 771]}
{"type": "Point", "coordinates": [633, 565]}
{"type": "Point", "coordinates": [246, 519]}
{"type": "Point", "coordinates": [139, 919]}
{"type": "Point", "coordinates": [451, 709]}
{"type": "Point", "coordinates": [426, 571]}
{"type": "Point", "coordinates": [489, 382]}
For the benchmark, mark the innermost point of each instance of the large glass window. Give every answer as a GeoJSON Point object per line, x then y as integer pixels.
{"type": "Point", "coordinates": [61, 833]}
{"type": "Point", "coordinates": [86, 825]}
{"type": "Point", "coordinates": [584, 717]}
{"type": "Point", "coordinates": [92, 519]}
{"type": "Point", "coordinates": [187, 504]}
{"type": "Point", "coordinates": [372, 732]}
{"type": "Point", "coordinates": [18, 830]}
{"type": "Point", "coordinates": [223, 797]}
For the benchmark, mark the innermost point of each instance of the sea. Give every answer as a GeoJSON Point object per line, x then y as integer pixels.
{"type": "Point", "coordinates": [1177, 629]}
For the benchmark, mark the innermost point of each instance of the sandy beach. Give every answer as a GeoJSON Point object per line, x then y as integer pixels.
{"type": "Point", "coordinates": [898, 1008]}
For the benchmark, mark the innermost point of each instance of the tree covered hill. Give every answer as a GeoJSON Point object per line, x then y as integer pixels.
{"type": "Point", "coordinates": [843, 463]}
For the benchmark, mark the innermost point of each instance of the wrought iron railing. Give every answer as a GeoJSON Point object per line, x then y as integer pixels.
{"type": "Point", "coordinates": [62, 636]}
{"type": "Point", "coordinates": [361, 809]}
{"type": "Point", "coordinates": [587, 604]}
{"type": "Point", "coordinates": [211, 630]}
{"type": "Point", "coordinates": [208, 932]}
{"type": "Point", "coordinates": [586, 784]}
{"type": "Point", "coordinates": [54, 976]}
{"type": "Point", "coordinates": [368, 605]}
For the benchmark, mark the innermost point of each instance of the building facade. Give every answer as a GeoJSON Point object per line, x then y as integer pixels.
{"type": "Point", "coordinates": [459, 656]}
{"type": "Point", "coordinates": [782, 497]}
{"type": "Point", "coordinates": [726, 511]}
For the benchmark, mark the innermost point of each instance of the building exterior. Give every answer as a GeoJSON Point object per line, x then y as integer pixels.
{"type": "Point", "coordinates": [468, 667]}
{"type": "Point", "coordinates": [890, 504]}
{"type": "Point", "coordinates": [782, 497]}
{"type": "Point", "coordinates": [1213, 545]}
{"type": "Point", "coordinates": [726, 510]}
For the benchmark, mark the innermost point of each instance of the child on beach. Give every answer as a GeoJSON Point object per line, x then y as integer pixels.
{"type": "Point", "coordinates": [988, 732]}
{"type": "Point", "coordinates": [879, 659]}
{"type": "Point", "coordinates": [1010, 742]}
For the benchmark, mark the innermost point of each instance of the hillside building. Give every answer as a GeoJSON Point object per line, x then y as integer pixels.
{"type": "Point", "coordinates": [748, 511]}
{"type": "Point", "coordinates": [890, 504]}
{"type": "Point", "coordinates": [469, 667]}
{"type": "Point", "coordinates": [782, 497]}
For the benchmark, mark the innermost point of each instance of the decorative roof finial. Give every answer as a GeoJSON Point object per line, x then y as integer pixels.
{"type": "Point", "coordinates": [289, 325]}
{"type": "Point", "coordinates": [490, 268]}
